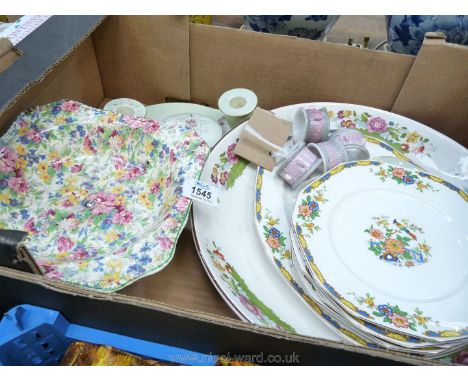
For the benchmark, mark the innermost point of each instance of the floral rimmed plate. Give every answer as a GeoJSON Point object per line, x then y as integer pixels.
{"type": "Point", "coordinates": [99, 193]}
{"type": "Point", "coordinates": [277, 246]}
{"type": "Point", "coordinates": [232, 254]}
{"type": "Point", "coordinates": [275, 200]}
{"type": "Point", "coordinates": [272, 222]}
{"type": "Point", "coordinates": [429, 350]}
{"type": "Point", "coordinates": [389, 245]}
{"type": "Point", "coordinates": [242, 251]}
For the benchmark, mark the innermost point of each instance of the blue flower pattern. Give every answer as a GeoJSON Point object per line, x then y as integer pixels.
{"type": "Point", "coordinates": [310, 27]}
{"type": "Point", "coordinates": [406, 33]}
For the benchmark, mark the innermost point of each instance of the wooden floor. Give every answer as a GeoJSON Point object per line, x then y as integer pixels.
{"type": "Point", "coordinates": [355, 27]}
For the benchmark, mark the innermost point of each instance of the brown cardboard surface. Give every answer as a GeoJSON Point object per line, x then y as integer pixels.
{"type": "Point", "coordinates": [144, 57]}
{"type": "Point", "coordinates": [284, 70]}
{"type": "Point", "coordinates": [77, 77]}
{"type": "Point", "coordinates": [8, 54]}
{"type": "Point", "coordinates": [179, 327]}
{"type": "Point", "coordinates": [183, 283]}
{"type": "Point", "coordinates": [12, 18]}
{"type": "Point", "coordinates": [271, 129]}
{"type": "Point", "coordinates": [436, 90]}
{"type": "Point", "coordinates": [147, 58]}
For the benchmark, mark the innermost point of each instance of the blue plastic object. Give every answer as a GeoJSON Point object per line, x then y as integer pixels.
{"type": "Point", "coordinates": [31, 335]}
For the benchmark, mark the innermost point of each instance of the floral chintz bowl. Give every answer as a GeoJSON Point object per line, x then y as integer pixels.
{"type": "Point", "coordinates": [406, 33]}
{"type": "Point", "coordinates": [99, 193]}
{"type": "Point", "coordinates": [311, 27]}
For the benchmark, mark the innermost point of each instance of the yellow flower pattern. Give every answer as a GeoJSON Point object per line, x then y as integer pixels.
{"type": "Point", "coordinates": [87, 206]}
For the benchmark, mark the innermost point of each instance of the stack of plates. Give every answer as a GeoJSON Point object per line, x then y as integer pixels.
{"type": "Point", "coordinates": [385, 255]}
{"type": "Point", "coordinates": [372, 253]}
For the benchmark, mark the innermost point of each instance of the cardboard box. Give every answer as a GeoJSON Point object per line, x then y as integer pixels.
{"type": "Point", "coordinates": [150, 58]}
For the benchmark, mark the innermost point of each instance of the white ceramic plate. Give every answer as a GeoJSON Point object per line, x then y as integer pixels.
{"type": "Point", "coordinates": [431, 350]}
{"type": "Point", "coordinates": [165, 110]}
{"type": "Point", "coordinates": [226, 237]}
{"type": "Point", "coordinates": [272, 220]}
{"type": "Point", "coordinates": [206, 127]}
{"type": "Point", "coordinates": [272, 228]}
{"type": "Point", "coordinates": [232, 254]}
{"type": "Point", "coordinates": [390, 245]}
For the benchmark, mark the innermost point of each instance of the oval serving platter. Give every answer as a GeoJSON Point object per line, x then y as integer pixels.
{"type": "Point", "coordinates": [225, 237]}
{"type": "Point", "coordinates": [407, 228]}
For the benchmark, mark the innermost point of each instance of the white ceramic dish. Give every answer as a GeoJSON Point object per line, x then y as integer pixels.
{"type": "Point", "coordinates": [232, 255]}
{"type": "Point", "coordinates": [226, 238]}
{"type": "Point", "coordinates": [431, 350]}
{"type": "Point", "coordinates": [207, 128]}
{"type": "Point", "coordinates": [209, 123]}
{"type": "Point", "coordinates": [273, 198]}
{"type": "Point", "coordinates": [162, 111]}
{"type": "Point", "coordinates": [277, 245]}
{"type": "Point", "coordinates": [126, 106]}
{"type": "Point", "coordinates": [408, 228]}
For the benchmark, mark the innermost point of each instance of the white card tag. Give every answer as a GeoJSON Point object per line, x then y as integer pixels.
{"type": "Point", "coordinates": [200, 191]}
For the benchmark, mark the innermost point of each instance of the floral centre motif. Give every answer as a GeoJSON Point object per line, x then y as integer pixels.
{"type": "Point", "coordinates": [397, 242]}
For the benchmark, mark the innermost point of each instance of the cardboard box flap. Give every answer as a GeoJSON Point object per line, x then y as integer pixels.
{"type": "Point", "coordinates": [154, 57]}
{"type": "Point", "coordinates": [8, 54]}
{"type": "Point", "coordinates": [207, 333]}
{"type": "Point", "coordinates": [435, 91]}
{"type": "Point", "coordinates": [285, 70]}
{"type": "Point", "coordinates": [150, 61]}
{"type": "Point", "coordinates": [42, 51]}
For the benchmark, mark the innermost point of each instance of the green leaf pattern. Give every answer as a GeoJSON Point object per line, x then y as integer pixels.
{"type": "Point", "coordinates": [242, 292]}
{"type": "Point", "coordinates": [228, 169]}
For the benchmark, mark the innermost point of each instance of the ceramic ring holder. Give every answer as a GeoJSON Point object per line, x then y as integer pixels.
{"type": "Point", "coordinates": [332, 153]}
{"type": "Point", "coordinates": [311, 125]}
{"type": "Point", "coordinates": [299, 166]}
{"type": "Point", "coordinates": [354, 142]}
{"type": "Point", "coordinates": [356, 152]}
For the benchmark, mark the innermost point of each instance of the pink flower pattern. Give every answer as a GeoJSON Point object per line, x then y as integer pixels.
{"type": "Point", "coordinates": [377, 125]}
{"type": "Point", "coordinates": [7, 159]}
{"type": "Point", "coordinates": [64, 244]}
{"type": "Point", "coordinates": [122, 217]}
{"type": "Point", "coordinates": [104, 203]}
{"type": "Point", "coordinates": [70, 106]}
{"type": "Point", "coordinates": [81, 206]}
{"type": "Point", "coordinates": [230, 153]}
{"type": "Point", "coordinates": [182, 203]}
{"type": "Point", "coordinates": [165, 242]}
{"type": "Point", "coordinates": [18, 184]}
